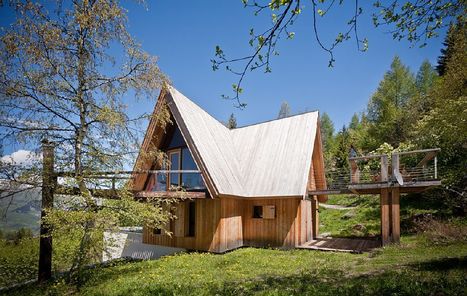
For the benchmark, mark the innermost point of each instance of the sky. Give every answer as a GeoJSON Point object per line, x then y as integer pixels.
{"type": "Point", "coordinates": [183, 35]}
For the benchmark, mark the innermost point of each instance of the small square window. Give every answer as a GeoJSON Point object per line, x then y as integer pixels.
{"type": "Point", "coordinates": [157, 231]}
{"type": "Point", "coordinates": [257, 211]}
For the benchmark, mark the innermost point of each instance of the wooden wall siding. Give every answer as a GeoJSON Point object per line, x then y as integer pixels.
{"type": "Point", "coordinates": [283, 231]}
{"type": "Point", "coordinates": [306, 226]}
{"type": "Point", "coordinates": [227, 223]}
{"type": "Point", "coordinates": [206, 230]}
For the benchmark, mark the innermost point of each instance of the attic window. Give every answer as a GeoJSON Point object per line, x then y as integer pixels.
{"type": "Point", "coordinates": [258, 212]}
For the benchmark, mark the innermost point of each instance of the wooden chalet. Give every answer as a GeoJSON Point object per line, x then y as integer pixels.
{"type": "Point", "coordinates": [248, 186]}
{"type": "Point", "coordinates": [260, 185]}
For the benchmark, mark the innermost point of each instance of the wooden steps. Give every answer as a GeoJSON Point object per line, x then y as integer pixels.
{"type": "Point", "coordinates": [349, 245]}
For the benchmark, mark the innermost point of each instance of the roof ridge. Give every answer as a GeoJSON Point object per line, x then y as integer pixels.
{"type": "Point", "coordinates": [276, 119]}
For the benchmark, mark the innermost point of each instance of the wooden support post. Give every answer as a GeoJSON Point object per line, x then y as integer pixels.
{"type": "Point", "coordinates": [384, 168]}
{"type": "Point", "coordinates": [48, 184]}
{"type": "Point", "coordinates": [385, 222]}
{"type": "Point", "coordinates": [395, 215]}
{"type": "Point", "coordinates": [315, 216]}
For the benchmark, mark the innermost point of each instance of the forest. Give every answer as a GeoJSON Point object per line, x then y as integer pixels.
{"type": "Point", "coordinates": [414, 111]}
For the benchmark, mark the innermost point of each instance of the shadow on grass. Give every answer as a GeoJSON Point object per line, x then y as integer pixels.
{"type": "Point", "coordinates": [435, 277]}
{"type": "Point", "coordinates": [443, 264]}
{"type": "Point", "coordinates": [405, 282]}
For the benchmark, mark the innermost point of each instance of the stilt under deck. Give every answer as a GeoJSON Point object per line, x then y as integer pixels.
{"type": "Point", "coordinates": [389, 182]}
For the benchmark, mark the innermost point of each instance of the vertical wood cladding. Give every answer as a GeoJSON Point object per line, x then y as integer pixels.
{"type": "Point", "coordinates": [224, 224]}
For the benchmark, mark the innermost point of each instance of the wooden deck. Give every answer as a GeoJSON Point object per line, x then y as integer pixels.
{"type": "Point", "coordinates": [350, 245]}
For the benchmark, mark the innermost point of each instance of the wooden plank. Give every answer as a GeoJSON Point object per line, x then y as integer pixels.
{"type": "Point", "coordinates": [170, 194]}
{"type": "Point", "coordinates": [395, 215]}
{"type": "Point", "coordinates": [180, 222]}
{"type": "Point", "coordinates": [385, 223]}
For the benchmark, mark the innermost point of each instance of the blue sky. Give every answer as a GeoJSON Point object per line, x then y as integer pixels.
{"type": "Point", "coordinates": [183, 34]}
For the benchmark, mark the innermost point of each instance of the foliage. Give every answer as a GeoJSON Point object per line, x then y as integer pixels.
{"type": "Point", "coordinates": [17, 236]}
{"type": "Point", "coordinates": [386, 109]}
{"type": "Point", "coordinates": [284, 110]}
{"type": "Point", "coordinates": [61, 82]}
{"type": "Point", "coordinates": [232, 122]}
{"type": "Point", "coordinates": [446, 52]}
{"type": "Point", "coordinates": [18, 262]}
{"type": "Point", "coordinates": [409, 20]}
{"type": "Point", "coordinates": [327, 138]}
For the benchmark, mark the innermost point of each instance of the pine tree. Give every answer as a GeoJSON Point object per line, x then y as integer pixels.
{"type": "Point", "coordinates": [232, 122]}
{"type": "Point", "coordinates": [387, 107]}
{"type": "Point", "coordinates": [446, 52]}
{"type": "Point", "coordinates": [354, 122]}
{"type": "Point", "coordinates": [284, 111]}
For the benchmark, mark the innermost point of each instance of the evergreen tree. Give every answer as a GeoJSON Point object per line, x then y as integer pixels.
{"type": "Point", "coordinates": [445, 125]}
{"type": "Point", "coordinates": [284, 111]}
{"type": "Point", "coordinates": [327, 138]}
{"type": "Point", "coordinates": [354, 122]}
{"type": "Point", "coordinates": [422, 101]}
{"type": "Point", "coordinates": [341, 155]}
{"type": "Point", "coordinates": [446, 52]}
{"type": "Point", "coordinates": [232, 122]}
{"type": "Point", "coordinates": [426, 77]}
{"type": "Point", "coordinates": [387, 107]}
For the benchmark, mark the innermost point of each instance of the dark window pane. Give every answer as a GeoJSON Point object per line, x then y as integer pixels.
{"type": "Point", "coordinates": [176, 140]}
{"type": "Point", "coordinates": [174, 165]}
{"type": "Point", "coordinates": [191, 218]}
{"type": "Point", "coordinates": [257, 211]}
{"type": "Point", "coordinates": [190, 181]}
{"type": "Point", "coordinates": [187, 161]}
{"type": "Point", "coordinates": [161, 184]}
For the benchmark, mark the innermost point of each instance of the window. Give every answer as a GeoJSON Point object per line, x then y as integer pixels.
{"type": "Point", "coordinates": [190, 181]}
{"type": "Point", "coordinates": [191, 219]}
{"type": "Point", "coordinates": [257, 211]}
{"type": "Point", "coordinates": [264, 212]}
{"type": "Point", "coordinates": [157, 231]}
{"type": "Point", "coordinates": [174, 178]}
{"type": "Point", "coordinates": [178, 159]}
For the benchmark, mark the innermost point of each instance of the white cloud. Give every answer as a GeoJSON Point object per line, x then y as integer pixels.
{"type": "Point", "coordinates": [23, 157]}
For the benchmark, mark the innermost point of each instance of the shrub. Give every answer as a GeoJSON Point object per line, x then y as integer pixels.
{"type": "Point", "coordinates": [442, 232]}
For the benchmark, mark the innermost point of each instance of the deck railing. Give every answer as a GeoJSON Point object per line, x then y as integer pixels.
{"type": "Point", "coordinates": [401, 167]}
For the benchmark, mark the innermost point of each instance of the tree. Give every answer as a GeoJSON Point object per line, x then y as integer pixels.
{"type": "Point", "coordinates": [354, 121]}
{"type": "Point", "coordinates": [284, 110]}
{"type": "Point", "coordinates": [327, 138]}
{"type": "Point", "coordinates": [424, 82]}
{"type": "Point", "coordinates": [446, 52]}
{"type": "Point", "coordinates": [415, 21]}
{"type": "Point", "coordinates": [343, 145]}
{"type": "Point", "coordinates": [60, 80]}
{"type": "Point", "coordinates": [232, 122]}
{"type": "Point", "coordinates": [387, 107]}
{"type": "Point", "coordinates": [445, 125]}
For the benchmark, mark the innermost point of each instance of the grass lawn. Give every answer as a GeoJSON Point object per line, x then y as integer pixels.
{"type": "Point", "coordinates": [414, 267]}
{"type": "Point", "coordinates": [418, 266]}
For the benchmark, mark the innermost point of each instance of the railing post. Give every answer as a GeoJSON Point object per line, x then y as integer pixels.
{"type": "Point", "coordinates": [354, 172]}
{"type": "Point", "coordinates": [436, 167]}
{"type": "Point", "coordinates": [384, 168]}
{"type": "Point", "coordinates": [48, 186]}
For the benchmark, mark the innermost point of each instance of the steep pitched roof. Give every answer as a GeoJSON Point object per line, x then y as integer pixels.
{"type": "Point", "coordinates": [262, 160]}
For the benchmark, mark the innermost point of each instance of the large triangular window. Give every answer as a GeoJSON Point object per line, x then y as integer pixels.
{"type": "Point", "coordinates": [183, 171]}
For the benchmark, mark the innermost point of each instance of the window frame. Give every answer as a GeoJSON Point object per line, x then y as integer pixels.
{"type": "Point", "coordinates": [170, 168]}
